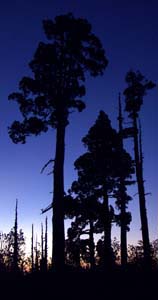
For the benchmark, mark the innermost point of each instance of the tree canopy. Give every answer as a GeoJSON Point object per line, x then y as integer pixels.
{"type": "Point", "coordinates": [58, 75]}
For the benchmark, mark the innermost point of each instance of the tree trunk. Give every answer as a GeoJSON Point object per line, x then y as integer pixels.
{"type": "Point", "coordinates": [15, 256]}
{"type": "Point", "coordinates": [142, 202]}
{"type": "Point", "coordinates": [46, 245]}
{"type": "Point", "coordinates": [42, 249]}
{"type": "Point", "coordinates": [108, 259]}
{"type": "Point", "coordinates": [123, 225]}
{"type": "Point", "coordinates": [58, 201]}
{"type": "Point", "coordinates": [32, 254]}
{"type": "Point", "coordinates": [122, 190]}
{"type": "Point", "coordinates": [77, 253]}
{"type": "Point", "coordinates": [36, 256]}
{"type": "Point", "coordinates": [91, 245]}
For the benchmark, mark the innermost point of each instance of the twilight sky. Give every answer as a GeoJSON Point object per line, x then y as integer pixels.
{"type": "Point", "coordinates": [129, 33]}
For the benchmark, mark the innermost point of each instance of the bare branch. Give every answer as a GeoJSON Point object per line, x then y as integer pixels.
{"type": "Point", "coordinates": [46, 165]}
{"type": "Point", "coordinates": [43, 210]}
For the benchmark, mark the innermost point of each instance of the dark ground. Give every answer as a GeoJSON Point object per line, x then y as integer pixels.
{"type": "Point", "coordinates": [81, 285]}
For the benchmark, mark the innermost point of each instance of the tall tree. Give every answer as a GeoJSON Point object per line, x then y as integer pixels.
{"type": "Point", "coordinates": [125, 170]}
{"type": "Point", "coordinates": [15, 259]}
{"type": "Point", "coordinates": [46, 99]}
{"type": "Point", "coordinates": [101, 142]}
{"type": "Point", "coordinates": [137, 87]}
{"type": "Point", "coordinates": [112, 165]}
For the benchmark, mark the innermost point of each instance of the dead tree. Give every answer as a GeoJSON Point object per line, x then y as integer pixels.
{"type": "Point", "coordinates": [15, 255]}
{"type": "Point", "coordinates": [32, 249]}
{"type": "Point", "coordinates": [122, 192]}
{"type": "Point", "coordinates": [137, 88]}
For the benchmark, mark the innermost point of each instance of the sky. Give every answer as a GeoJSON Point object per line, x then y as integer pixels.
{"type": "Point", "coordinates": [128, 31]}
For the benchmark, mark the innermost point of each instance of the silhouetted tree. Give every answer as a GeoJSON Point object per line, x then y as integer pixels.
{"type": "Point", "coordinates": [123, 219]}
{"type": "Point", "coordinates": [112, 169]}
{"type": "Point", "coordinates": [32, 249]}
{"type": "Point", "coordinates": [2, 252]}
{"type": "Point", "coordinates": [88, 190]}
{"type": "Point", "coordinates": [78, 249]}
{"type": "Point", "coordinates": [7, 252]}
{"type": "Point", "coordinates": [154, 250]}
{"type": "Point", "coordinates": [46, 99]}
{"type": "Point", "coordinates": [85, 191]}
{"type": "Point", "coordinates": [37, 255]}
{"type": "Point", "coordinates": [100, 250]}
{"type": "Point", "coordinates": [42, 242]}
{"type": "Point", "coordinates": [42, 262]}
{"type": "Point", "coordinates": [73, 243]}
{"type": "Point", "coordinates": [102, 142]}
{"type": "Point", "coordinates": [125, 171]}
{"type": "Point", "coordinates": [137, 88]}
{"type": "Point", "coordinates": [46, 243]}
{"type": "Point", "coordinates": [116, 250]}
{"type": "Point", "coordinates": [15, 257]}
{"type": "Point", "coordinates": [136, 255]}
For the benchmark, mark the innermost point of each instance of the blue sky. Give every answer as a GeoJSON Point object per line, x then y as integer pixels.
{"type": "Point", "coordinates": [129, 33]}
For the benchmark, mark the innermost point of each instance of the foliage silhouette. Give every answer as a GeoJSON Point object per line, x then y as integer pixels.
{"type": "Point", "coordinates": [7, 251]}
{"type": "Point", "coordinates": [111, 162]}
{"type": "Point", "coordinates": [99, 172]}
{"type": "Point", "coordinates": [46, 99]}
{"type": "Point", "coordinates": [86, 193]}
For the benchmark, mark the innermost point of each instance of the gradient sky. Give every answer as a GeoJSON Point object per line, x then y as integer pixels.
{"type": "Point", "coordinates": [129, 33]}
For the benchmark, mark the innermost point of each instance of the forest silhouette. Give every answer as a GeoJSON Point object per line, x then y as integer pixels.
{"type": "Point", "coordinates": [104, 171]}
